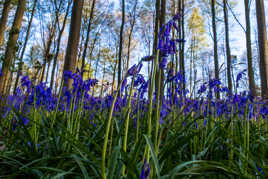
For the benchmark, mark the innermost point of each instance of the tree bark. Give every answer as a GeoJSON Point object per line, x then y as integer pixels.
{"type": "Point", "coordinates": [73, 40]}
{"type": "Point", "coordinates": [214, 28]}
{"type": "Point", "coordinates": [121, 44]}
{"type": "Point", "coordinates": [58, 46]}
{"type": "Point", "coordinates": [3, 20]}
{"type": "Point", "coordinates": [24, 47]}
{"type": "Point", "coordinates": [227, 46]}
{"type": "Point", "coordinates": [263, 47]}
{"type": "Point", "coordinates": [11, 46]}
{"type": "Point", "coordinates": [249, 49]}
{"type": "Point", "coordinates": [87, 38]}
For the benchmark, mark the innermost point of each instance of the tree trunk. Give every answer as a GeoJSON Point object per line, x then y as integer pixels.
{"type": "Point", "coordinates": [181, 36]}
{"type": "Point", "coordinates": [132, 24]}
{"type": "Point", "coordinates": [24, 47]}
{"type": "Point", "coordinates": [156, 25]}
{"type": "Point", "coordinates": [227, 46]}
{"type": "Point", "coordinates": [161, 74]}
{"type": "Point", "coordinates": [11, 46]}
{"type": "Point", "coordinates": [263, 47]}
{"type": "Point", "coordinates": [58, 46]}
{"type": "Point", "coordinates": [47, 55]}
{"type": "Point", "coordinates": [121, 44]}
{"type": "Point", "coordinates": [102, 81]}
{"type": "Point", "coordinates": [87, 38]}
{"type": "Point", "coordinates": [214, 28]}
{"type": "Point", "coordinates": [73, 40]}
{"type": "Point", "coordinates": [249, 49]}
{"type": "Point", "coordinates": [3, 20]}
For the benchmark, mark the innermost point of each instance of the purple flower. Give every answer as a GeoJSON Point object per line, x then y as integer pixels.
{"type": "Point", "coordinates": [163, 63]}
{"type": "Point", "coordinates": [145, 173]}
{"type": "Point", "coordinates": [177, 16]}
{"type": "Point", "coordinates": [134, 70]}
{"type": "Point", "coordinates": [202, 89]}
{"type": "Point", "coordinates": [239, 77]}
{"type": "Point", "coordinates": [147, 58]}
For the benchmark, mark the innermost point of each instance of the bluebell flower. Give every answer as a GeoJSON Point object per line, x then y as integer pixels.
{"type": "Point", "coordinates": [202, 89]}
{"type": "Point", "coordinates": [239, 77]}
{"type": "Point", "coordinates": [134, 70]}
{"type": "Point", "coordinates": [147, 58]}
{"type": "Point", "coordinates": [163, 63]}
{"type": "Point", "coordinates": [124, 83]}
{"type": "Point", "coordinates": [145, 173]}
{"type": "Point", "coordinates": [139, 80]}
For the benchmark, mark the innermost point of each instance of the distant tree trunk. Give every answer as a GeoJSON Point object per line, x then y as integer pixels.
{"type": "Point", "coordinates": [249, 49]}
{"type": "Point", "coordinates": [3, 20]}
{"type": "Point", "coordinates": [102, 81]}
{"type": "Point", "coordinates": [96, 70]}
{"type": "Point", "coordinates": [11, 46]}
{"type": "Point", "coordinates": [24, 47]}
{"type": "Point", "coordinates": [263, 47]}
{"type": "Point", "coordinates": [227, 46]}
{"type": "Point", "coordinates": [156, 25]}
{"type": "Point", "coordinates": [214, 28]}
{"type": "Point", "coordinates": [114, 71]}
{"type": "Point", "coordinates": [52, 32]}
{"type": "Point", "coordinates": [87, 38]}
{"type": "Point", "coordinates": [132, 23]}
{"type": "Point", "coordinates": [121, 43]}
{"type": "Point", "coordinates": [58, 44]}
{"type": "Point", "coordinates": [181, 36]}
{"type": "Point", "coordinates": [73, 40]}
{"type": "Point", "coordinates": [161, 72]}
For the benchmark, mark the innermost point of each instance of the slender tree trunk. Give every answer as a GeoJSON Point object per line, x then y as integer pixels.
{"type": "Point", "coordinates": [3, 20]}
{"type": "Point", "coordinates": [249, 49]}
{"type": "Point", "coordinates": [24, 47]}
{"type": "Point", "coordinates": [87, 38]}
{"type": "Point", "coordinates": [11, 46]}
{"type": "Point", "coordinates": [58, 46]}
{"type": "Point", "coordinates": [214, 28]}
{"type": "Point", "coordinates": [121, 44]}
{"type": "Point", "coordinates": [227, 46]}
{"type": "Point", "coordinates": [132, 24]}
{"type": "Point", "coordinates": [96, 70]}
{"type": "Point", "coordinates": [114, 71]}
{"type": "Point", "coordinates": [47, 55]}
{"type": "Point", "coordinates": [102, 81]}
{"type": "Point", "coordinates": [263, 47]}
{"type": "Point", "coordinates": [73, 40]}
{"type": "Point", "coordinates": [181, 36]}
{"type": "Point", "coordinates": [156, 25]}
{"type": "Point", "coordinates": [162, 21]}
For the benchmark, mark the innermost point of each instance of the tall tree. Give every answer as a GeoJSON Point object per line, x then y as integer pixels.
{"type": "Point", "coordinates": [132, 24]}
{"type": "Point", "coordinates": [121, 43]}
{"type": "Point", "coordinates": [3, 20]}
{"type": "Point", "coordinates": [87, 38]}
{"type": "Point", "coordinates": [24, 46]}
{"type": "Point", "coordinates": [198, 42]}
{"type": "Point", "coordinates": [263, 47]}
{"type": "Point", "coordinates": [249, 48]}
{"type": "Point", "coordinates": [73, 40]}
{"type": "Point", "coordinates": [181, 6]}
{"type": "Point", "coordinates": [59, 43]}
{"type": "Point", "coordinates": [214, 28]}
{"type": "Point", "coordinates": [227, 45]}
{"type": "Point", "coordinates": [11, 46]}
